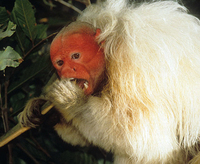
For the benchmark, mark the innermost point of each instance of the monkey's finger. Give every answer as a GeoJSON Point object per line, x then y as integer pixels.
{"type": "Point", "coordinates": [18, 129]}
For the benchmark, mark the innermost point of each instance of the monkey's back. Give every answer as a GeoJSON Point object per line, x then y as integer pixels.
{"type": "Point", "coordinates": [153, 55]}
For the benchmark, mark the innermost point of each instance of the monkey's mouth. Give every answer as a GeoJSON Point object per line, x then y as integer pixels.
{"type": "Point", "coordinates": [82, 83]}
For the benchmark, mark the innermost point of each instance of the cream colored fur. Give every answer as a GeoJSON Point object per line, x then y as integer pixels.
{"type": "Point", "coordinates": [149, 111]}
{"type": "Point", "coordinates": [153, 94]}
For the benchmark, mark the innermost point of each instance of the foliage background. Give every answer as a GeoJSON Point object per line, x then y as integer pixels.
{"type": "Point", "coordinates": [27, 28]}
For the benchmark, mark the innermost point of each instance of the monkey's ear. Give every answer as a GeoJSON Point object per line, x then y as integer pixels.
{"type": "Point", "coordinates": [98, 32]}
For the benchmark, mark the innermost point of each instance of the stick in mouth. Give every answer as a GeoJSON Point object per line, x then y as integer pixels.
{"type": "Point", "coordinates": [82, 83]}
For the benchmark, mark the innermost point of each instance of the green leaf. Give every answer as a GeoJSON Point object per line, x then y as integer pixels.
{"type": "Point", "coordinates": [23, 14]}
{"type": "Point", "coordinates": [20, 35]}
{"type": "Point", "coordinates": [9, 58]}
{"type": "Point", "coordinates": [9, 31]}
{"type": "Point", "coordinates": [23, 41]}
{"type": "Point", "coordinates": [41, 31]}
{"type": "Point", "coordinates": [3, 15]}
{"type": "Point", "coordinates": [30, 72]}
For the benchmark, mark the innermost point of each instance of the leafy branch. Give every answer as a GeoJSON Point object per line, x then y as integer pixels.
{"type": "Point", "coordinates": [25, 68]}
{"type": "Point", "coordinates": [19, 36]}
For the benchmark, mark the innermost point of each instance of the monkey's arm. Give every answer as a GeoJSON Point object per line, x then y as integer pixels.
{"type": "Point", "coordinates": [31, 117]}
{"type": "Point", "coordinates": [87, 113]}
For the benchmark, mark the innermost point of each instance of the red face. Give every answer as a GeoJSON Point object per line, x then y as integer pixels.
{"type": "Point", "coordinates": [78, 57]}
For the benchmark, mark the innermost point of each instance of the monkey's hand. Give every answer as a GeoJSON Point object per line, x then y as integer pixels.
{"type": "Point", "coordinates": [31, 115]}
{"type": "Point", "coordinates": [65, 94]}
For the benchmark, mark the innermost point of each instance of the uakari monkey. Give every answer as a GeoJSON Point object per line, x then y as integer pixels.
{"type": "Point", "coordinates": [130, 82]}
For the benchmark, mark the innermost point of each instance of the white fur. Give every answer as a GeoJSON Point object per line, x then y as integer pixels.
{"type": "Point", "coordinates": [149, 111]}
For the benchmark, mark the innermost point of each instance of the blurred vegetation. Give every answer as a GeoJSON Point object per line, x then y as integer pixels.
{"type": "Point", "coordinates": [27, 28]}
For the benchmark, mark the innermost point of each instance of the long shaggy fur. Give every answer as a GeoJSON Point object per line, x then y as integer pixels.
{"type": "Point", "coordinates": [149, 110]}
{"type": "Point", "coordinates": [152, 98]}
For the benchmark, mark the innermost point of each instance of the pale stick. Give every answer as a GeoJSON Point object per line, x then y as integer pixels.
{"type": "Point", "coordinates": [18, 129]}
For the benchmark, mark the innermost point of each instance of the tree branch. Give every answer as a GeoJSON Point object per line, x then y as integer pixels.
{"type": "Point", "coordinates": [70, 6]}
{"type": "Point", "coordinates": [39, 44]}
{"type": "Point", "coordinates": [85, 2]}
{"type": "Point", "coordinates": [27, 153]}
{"type": "Point", "coordinates": [18, 130]}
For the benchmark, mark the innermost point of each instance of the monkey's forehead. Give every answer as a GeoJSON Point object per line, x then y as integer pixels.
{"type": "Point", "coordinates": [81, 39]}
{"type": "Point", "coordinates": [81, 43]}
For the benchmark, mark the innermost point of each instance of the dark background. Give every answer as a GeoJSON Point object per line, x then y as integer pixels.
{"type": "Point", "coordinates": [42, 145]}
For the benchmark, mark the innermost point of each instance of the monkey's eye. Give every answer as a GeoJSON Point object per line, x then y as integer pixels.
{"type": "Point", "coordinates": [60, 62]}
{"type": "Point", "coordinates": [75, 56]}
